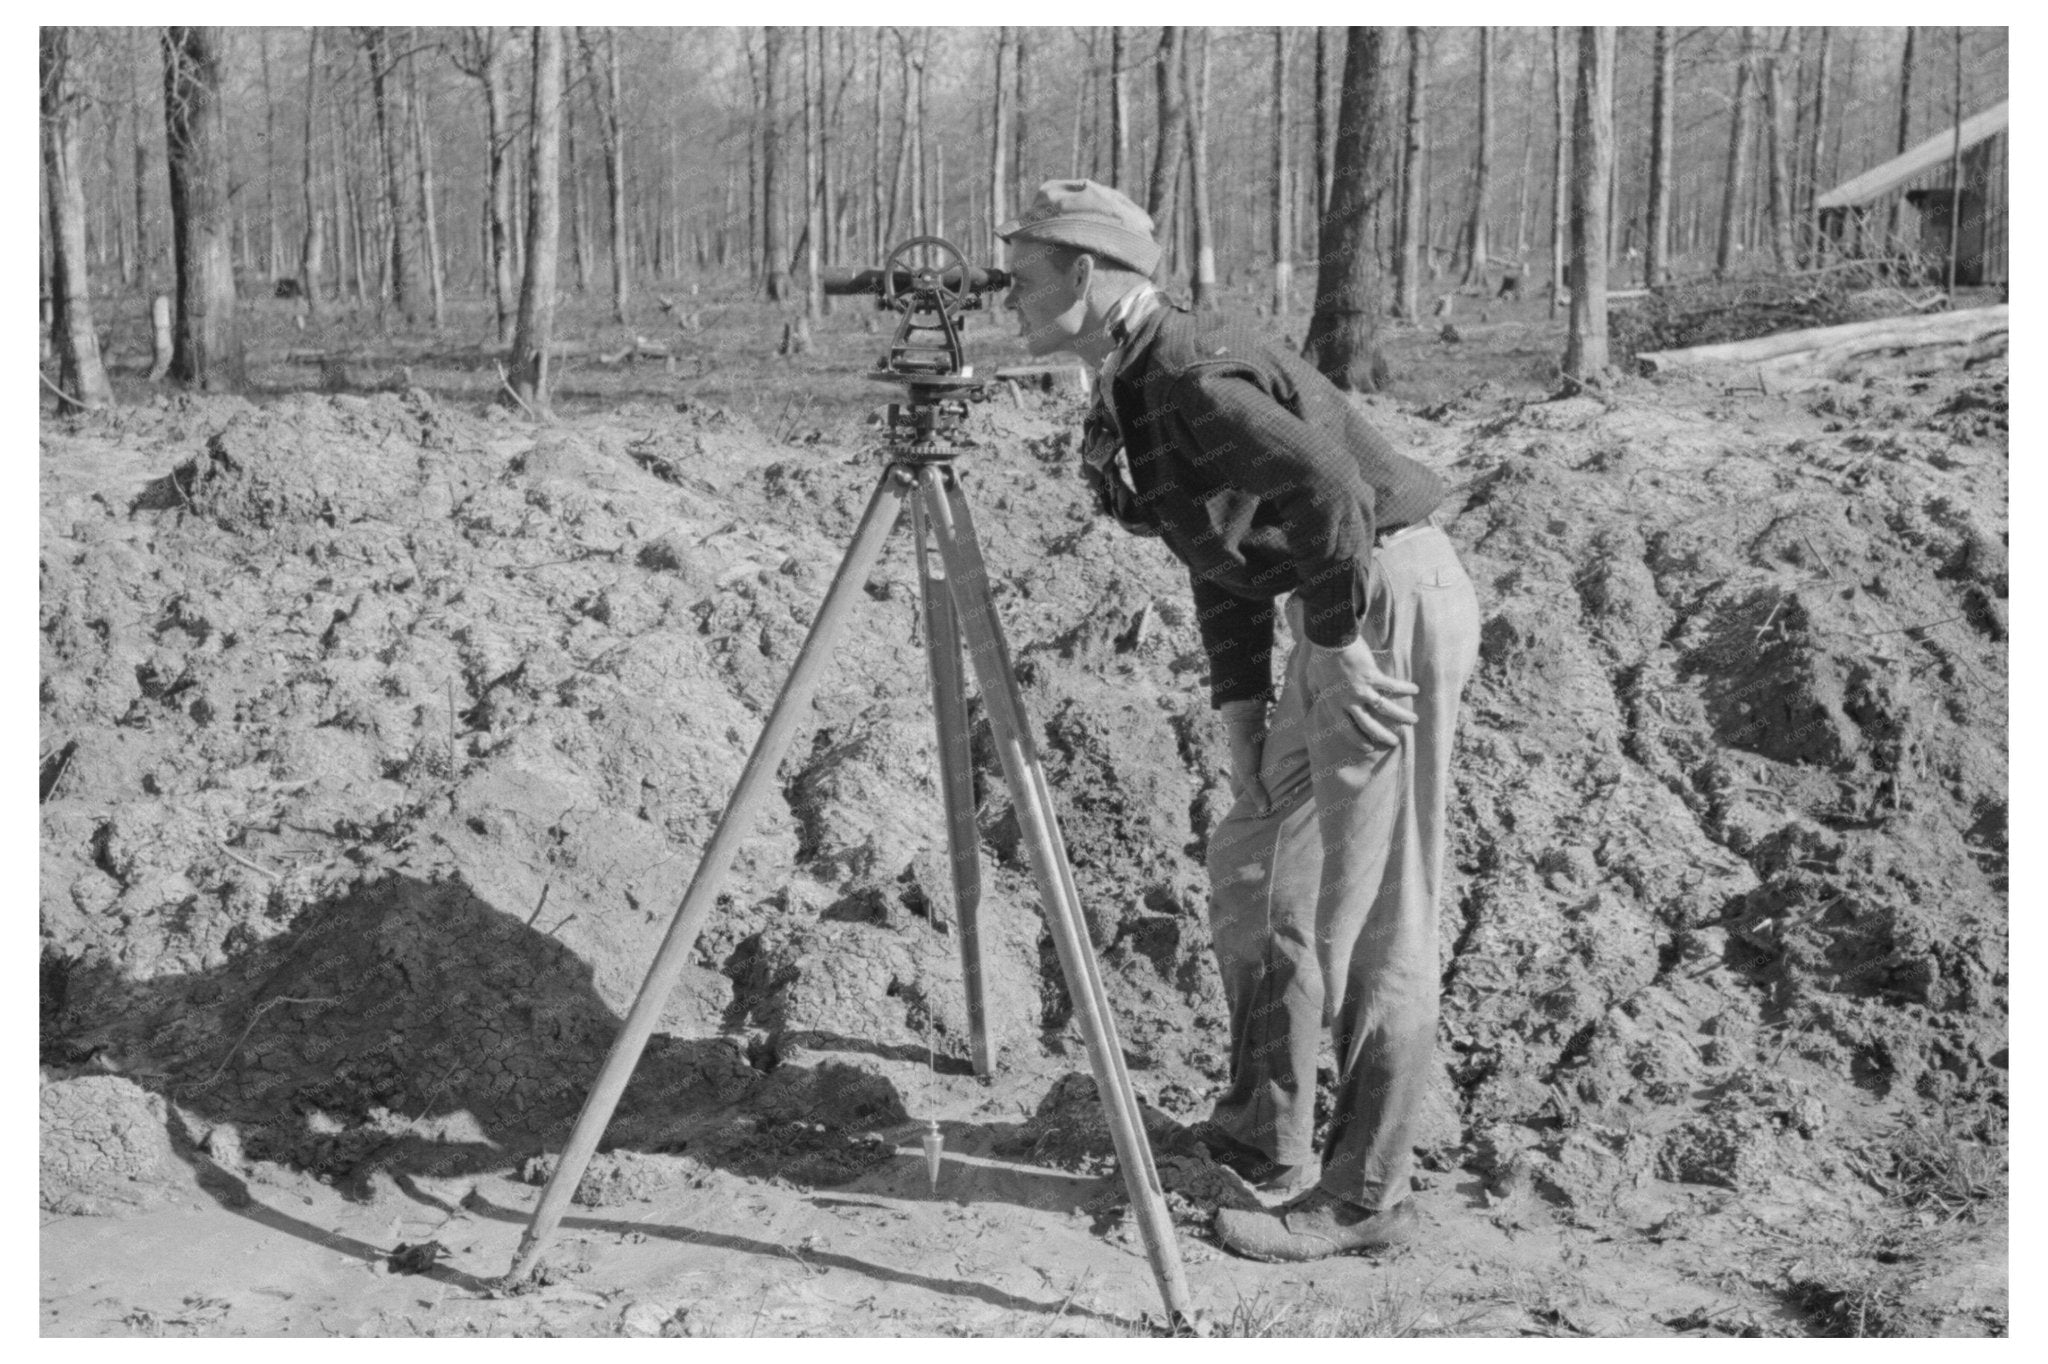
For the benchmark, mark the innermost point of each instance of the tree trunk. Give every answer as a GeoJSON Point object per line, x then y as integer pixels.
{"type": "Point", "coordinates": [1323, 149]}
{"type": "Point", "coordinates": [814, 228]}
{"type": "Point", "coordinates": [920, 178]}
{"type": "Point", "coordinates": [775, 258]}
{"type": "Point", "coordinates": [1407, 255]}
{"type": "Point", "coordinates": [390, 144]}
{"type": "Point", "coordinates": [1813, 136]}
{"type": "Point", "coordinates": [1560, 189]}
{"type": "Point", "coordinates": [207, 350]}
{"type": "Point", "coordinates": [1905, 128]}
{"type": "Point", "coordinates": [1119, 113]}
{"type": "Point", "coordinates": [1585, 352]}
{"type": "Point", "coordinates": [144, 252]}
{"type": "Point", "coordinates": [528, 378]}
{"type": "Point", "coordinates": [1342, 339]}
{"type": "Point", "coordinates": [1663, 126]}
{"type": "Point", "coordinates": [81, 375]}
{"type": "Point", "coordinates": [1528, 158]}
{"type": "Point", "coordinates": [1173, 114]}
{"type": "Point", "coordinates": [1283, 218]}
{"type": "Point", "coordinates": [423, 164]}
{"type": "Point", "coordinates": [1202, 225]}
{"type": "Point", "coordinates": [999, 143]}
{"type": "Point", "coordinates": [1477, 245]}
{"type": "Point", "coordinates": [878, 224]}
{"type": "Point", "coordinates": [313, 243]}
{"type": "Point", "coordinates": [490, 73]}
{"type": "Point", "coordinates": [1020, 121]}
{"type": "Point", "coordinates": [1738, 161]}
{"type": "Point", "coordinates": [1955, 173]}
{"type": "Point", "coordinates": [1778, 144]}
{"type": "Point", "coordinates": [270, 252]}
{"type": "Point", "coordinates": [579, 205]}
{"type": "Point", "coordinates": [899, 179]}
{"type": "Point", "coordinates": [611, 133]}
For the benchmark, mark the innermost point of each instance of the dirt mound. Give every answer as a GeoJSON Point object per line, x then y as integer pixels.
{"type": "Point", "coordinates": [380, 739]}
{"type": "Point", "coordinates": [105, 1146]}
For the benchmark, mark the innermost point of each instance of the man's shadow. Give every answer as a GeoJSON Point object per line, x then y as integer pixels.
{"type": "Point", "coordinates": [409, 1029]}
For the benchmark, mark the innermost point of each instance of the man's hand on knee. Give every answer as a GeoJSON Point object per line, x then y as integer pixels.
{"type": "Point", "coordinates": [1349, 681]}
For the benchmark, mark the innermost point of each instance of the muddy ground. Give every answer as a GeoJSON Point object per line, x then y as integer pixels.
{"type": "Point", "coordinates": [380, 733]}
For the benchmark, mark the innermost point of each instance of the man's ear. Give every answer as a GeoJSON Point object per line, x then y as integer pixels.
{"type": "Point", "coordinates": [1084, 274]}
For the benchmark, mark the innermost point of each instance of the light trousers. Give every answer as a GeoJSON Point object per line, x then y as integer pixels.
{"type": "Point", "coordinates": [1323, 910]}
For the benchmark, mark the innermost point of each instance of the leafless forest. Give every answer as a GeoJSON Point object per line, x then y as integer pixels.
{"type": "Point", "coordinates": [392, 171]}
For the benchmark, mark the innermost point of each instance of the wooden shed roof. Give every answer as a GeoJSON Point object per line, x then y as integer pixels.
{"type": "Point", "coordinates": [1882, 180]}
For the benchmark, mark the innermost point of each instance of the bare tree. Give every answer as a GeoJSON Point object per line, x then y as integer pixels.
{"type": "Point", "coordinates": [423, 169]}
{"type": "Point", "coordinates": [1585, 352]}
{"type": "Point", "coordinates": [1342, 334]}
{"type": "Point", "coordinates": [775, 257]}
{"type": "Point", "coordinates": [1173, 114]}
{"type": "Point", "coordinates": [528, 380]}
{"type": "Point", "coordinates": [812, 39]}
{"type": "Point", "coordinates": [1324, 155]}
{"type": "Point", "coordinates": [1905, 118]}
{"type": "Point", "coordinates": [1663, 124]}
{"type": "Point", "coordinates": [1778, 147]}
{"type": "Point", "coordinates": [271, 255]}
{"type": "Point", "coordinates": [1119, 112]}
{"type": "Point", "coordinates": [1738, 158]}
{"type": "Point", "coordinates": [377, 44]}
{"type": "Point", "coordinates": [1283, 218]}
{"type": "Point", "coordinates": [999, 142]}
{"type": "Point", "coordinates": [206, 336]}
{"type": "Point", "coordinates": [1409, 243]}
{"type": "Point", "coordinates": [1476, 244]}
{"type": "Point", "coordinates": [1204, 233]}
{"type": "Point", "coordinates": [482, 56]}
{"type": "Point", "coordinates": [1560, 191]}
{"type": "Point", "coordinates": [610, 84]}
{"type": "Point", "coordinates": [313, 242]}
{"type": "Point", "coordinates": [579, 206]}
{"type": "Point", "coordinates": [144, 252]}
{"type": "Point", "coordinates": [1813, 134]}
{"type": "Point", "coordinates": [81, 375]}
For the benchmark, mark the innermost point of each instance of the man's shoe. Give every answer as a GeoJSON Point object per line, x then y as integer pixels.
{"type": "Point", "coordinates": [1316, 1225]}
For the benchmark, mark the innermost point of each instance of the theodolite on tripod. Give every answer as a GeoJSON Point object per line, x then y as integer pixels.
{"type": "Point", "coordinates": [930, 285]}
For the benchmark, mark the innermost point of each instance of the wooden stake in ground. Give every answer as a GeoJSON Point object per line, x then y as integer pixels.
{"type": "Point", "coordinates": [1585, 351]}
{"type": "Point", "coordinates": [81, 376]}
{"type": "Point", "coordinates": [207, 346]}
{"type": "Point", "coordinates": [527, 380]}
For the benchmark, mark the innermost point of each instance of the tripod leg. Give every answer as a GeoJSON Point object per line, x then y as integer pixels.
{"type": "Point", "coordinates": [956, 779]}
{"type": "Point", "coordinates": [967, 578]}
{"type": "Point", "coordinates": [756, 779]}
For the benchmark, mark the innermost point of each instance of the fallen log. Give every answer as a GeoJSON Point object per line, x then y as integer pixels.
{"type": "Point", "coordinates": [1831, 345]}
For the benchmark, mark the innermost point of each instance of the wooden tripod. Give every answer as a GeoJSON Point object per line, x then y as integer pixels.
{"type": "Point", "coordinates": [958, 608]}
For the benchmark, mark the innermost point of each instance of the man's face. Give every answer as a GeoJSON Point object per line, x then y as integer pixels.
{"type": "Point", "coordinates": [1049, 302]}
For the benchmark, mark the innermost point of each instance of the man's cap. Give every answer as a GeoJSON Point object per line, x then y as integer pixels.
{"type": "Point", "coordinates": [1092, 217]}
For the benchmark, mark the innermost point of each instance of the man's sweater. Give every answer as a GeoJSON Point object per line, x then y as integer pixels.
{"type": "Point", "coordinates": [1263, 479]}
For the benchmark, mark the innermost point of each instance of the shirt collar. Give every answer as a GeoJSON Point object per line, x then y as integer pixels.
{"type": "Point", "coordinates": [1128, 313]}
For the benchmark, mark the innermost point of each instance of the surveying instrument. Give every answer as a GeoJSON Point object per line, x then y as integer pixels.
{"type": "Point", "coordinates": [930, 286]}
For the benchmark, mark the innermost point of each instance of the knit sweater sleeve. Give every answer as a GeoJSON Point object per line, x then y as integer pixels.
{"type": "Point", "coordinates": [1245, 439]}
{"type": "Point", "coordinates": [1237, 636]}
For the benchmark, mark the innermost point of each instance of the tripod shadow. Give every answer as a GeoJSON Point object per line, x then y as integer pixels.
{"type": "Point", "coordinates": [408, 1029]}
